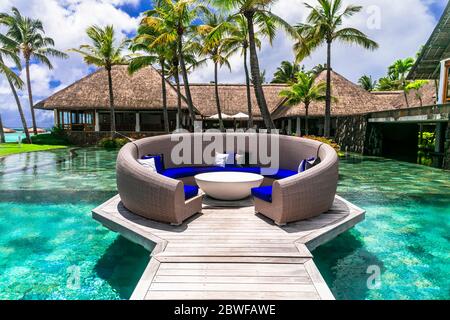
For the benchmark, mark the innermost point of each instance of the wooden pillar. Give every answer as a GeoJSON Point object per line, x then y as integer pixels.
{"type": "Point", "coordinates": [138, 122]}
{"type": "Point", "coordinates": [289, 128]}
{"type": "Point", "coordinates": [97, 124]}
{"type": "Point", "coordinates": [55, 118]}
{"type": "Point", "coordinates": [298, 129]}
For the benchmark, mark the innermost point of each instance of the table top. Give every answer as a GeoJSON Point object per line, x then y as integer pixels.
{"type": "Point", "coordinates": [228, 176]}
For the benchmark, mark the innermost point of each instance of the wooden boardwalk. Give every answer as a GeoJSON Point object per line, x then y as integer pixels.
{"type": "Point", "coordinates": [230, 253]}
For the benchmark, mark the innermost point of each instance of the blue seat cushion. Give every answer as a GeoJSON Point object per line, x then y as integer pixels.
{"type": "Point", "coordinates": [263, 193]}
{"type": "Point", "coordinates": [282, 174]}
{"type": "Point", "coordinates": [158, 162]}
{"type": "Point", "coordinates": [181, 172]}
{"type": "Point", "coordinates": [190, 192]}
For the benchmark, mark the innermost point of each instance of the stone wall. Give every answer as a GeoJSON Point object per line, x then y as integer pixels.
{"type": "Point", "coordinates": [351, 133]}
{"type": "Point", "coordinates": [82, 138]}
{"type": "Point", "coordinates": [446, 163]}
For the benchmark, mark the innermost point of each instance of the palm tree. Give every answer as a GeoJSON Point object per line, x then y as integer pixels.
{"type": "Point", "coordinates": [305, 91]}
{"type": "Point", "coordinates": [217, 50]}
{"type": "Point", "coordinates": [323, 26]}
{"type": "Point", "coordinates": [29, 37]}
{"type": "Point", "coordinates": [237, 40]}
{"type": "Point", "coordinates": [416, 86]}
{"type": "Point", "coordinates": [142, 42]}
{"type": "Point", "coordinates": [176, 20]}
{"type": "Point", "coordinates": [367, 83]}
{"type": "Point", "coordinates": [2, 132]}
{"type": "Point", "coordinates": [104, 53]}
{"type": "Point", "coordinates": [399, 70]}
{"type": "Point", "coordinates": [257, 12]}
{"type": "Point", "coordinates": [287, 72]}
{"type": "Point", "coordinates": [7, 49]}
{"type": "Point", "coordinates": [316, 70]}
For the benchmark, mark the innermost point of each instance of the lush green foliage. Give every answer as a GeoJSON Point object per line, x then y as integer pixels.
{"type": "Point", "coordinates": [14, 148]}
{"type": "Point", "coordinates": [367, 83]}
{"type": "Point", "coordinates": [287, 72]}
{"type": "Point", "coordinates": [328, 141]}
{"type": "Point", "coordinates": [112, 143]}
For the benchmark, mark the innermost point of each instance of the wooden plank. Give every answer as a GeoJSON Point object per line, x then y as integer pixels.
{"type": "Point", "coordinates": [239, 287]}
{"type": "Point", "coordinates": [230, 253]}
{"type": "Point", "coordinates": [231, 259]}
{"type": "Point", "coordinates": [227, 295]}
{"type": "Point", "coordinates": [257, 271]}
{"type": "Point", "coordinates": [319, 283]}
{"type": "Point", "coordinates": [232, 279]}
{"type": "Point", "coordinates": [146, 279]}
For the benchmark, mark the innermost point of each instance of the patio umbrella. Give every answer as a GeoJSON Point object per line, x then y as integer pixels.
{"type": "Point", "coordinates": [240, 116]}
{"type": "Point", "coordinates": [216, 116]}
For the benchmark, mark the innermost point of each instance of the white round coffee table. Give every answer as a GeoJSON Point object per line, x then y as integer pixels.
{"type": "Point", "coordinates": [228, 185]}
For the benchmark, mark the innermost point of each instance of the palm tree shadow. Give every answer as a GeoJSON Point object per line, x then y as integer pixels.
{"type": "Point", "coordinates": [122, 266]}
{"type": "Point", "coordinates": [343, 262]}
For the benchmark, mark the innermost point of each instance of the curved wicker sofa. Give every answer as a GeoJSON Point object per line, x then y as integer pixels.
{"type": "Point", "coordinates": [294, 196]}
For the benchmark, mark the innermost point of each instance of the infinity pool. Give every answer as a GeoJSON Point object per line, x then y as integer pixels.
{"type": "Point", "coordinates": [51, 248]}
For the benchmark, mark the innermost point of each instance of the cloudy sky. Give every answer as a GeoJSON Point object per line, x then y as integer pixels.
{"type": "Point", "coordinates": [400, 27]}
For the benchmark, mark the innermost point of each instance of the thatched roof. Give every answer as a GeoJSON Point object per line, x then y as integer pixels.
{"type": "Point", "coordinates": [233, 98]}
{"type": "Point", "coordinates": [141, 91]}
{"type": "Point", "coordinates": [427, 92]}
{"type": "Point", "coordinates": [351, 99]}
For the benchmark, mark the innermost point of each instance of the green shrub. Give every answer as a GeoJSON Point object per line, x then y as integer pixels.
{"type": "Point", "coordinates": [330, 142]}
{"type": "Point", "coordinates": [49, 139]}
{"type": "Point", "coordinates": [112, 143]}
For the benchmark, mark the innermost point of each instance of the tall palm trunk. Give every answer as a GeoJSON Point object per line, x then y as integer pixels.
{"type": "Point", "coordinates": [256, 74]}
{"type": "Point", "coordinates": [306, 118]}
{"type": "Point", "coordinates": [216, 89]}
{"type": "Point", "coordinates": [19, 107]}
{"type": "Point", "coordinates": [187, 89]}
{"type": "Point", "coordinates": [2, 132]}
{"type": "Point", "coordinates": [404, 92]}
{"type": "Point", "coordinates": [30, 94]}
{"type": "Point", "coordinates": [177, 82]}
{"type": "Point", "coordinates": [164, 96]}
{"type": "Point", "coordinates": [249, 95]}
{"type": "Point", "coordinates": [111, 103]}
{"type": "Point", "coordinates": [327, 123]}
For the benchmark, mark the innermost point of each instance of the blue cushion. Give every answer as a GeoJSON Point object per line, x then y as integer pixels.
{"type": "Point", "coordinates": [306, 164]}
{"type": "Point", "coordinates": [158, 162]}
{"type": "Point", "coordinates": [190, 192]}
{"type": "Point", "coordinates": [281, 174]}
{"type": "Point", "coordinates": [263, 193]}
{"type": "Point", "coordinates": [181, 172]}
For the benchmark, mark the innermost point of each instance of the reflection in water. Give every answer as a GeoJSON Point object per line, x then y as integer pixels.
{"type": "Point", "coordinates": [46, 229]}
{"type": "Point", "coordinates": [405, 233]}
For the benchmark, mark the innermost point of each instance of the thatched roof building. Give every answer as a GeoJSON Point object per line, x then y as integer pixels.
{"type": "Point", "coordinates": [350, 99]}
{"type": "Point", "coordinates": [233, 98]}
{"type": "Point", "coordinates": [140, 91]}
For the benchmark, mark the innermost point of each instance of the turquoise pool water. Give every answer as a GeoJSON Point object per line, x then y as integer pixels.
{"type": "Point", "coordinates": [50, 247]}
{"type": "Point", "coordinates": [14, 137]}
{"type": "Point", "coordinates": [48, 239]}
{"type": "Point", "coordinates": [406, 233]}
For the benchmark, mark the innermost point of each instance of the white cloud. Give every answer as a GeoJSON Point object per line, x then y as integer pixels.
{"type": "Point", "coordinates": [405, 25]}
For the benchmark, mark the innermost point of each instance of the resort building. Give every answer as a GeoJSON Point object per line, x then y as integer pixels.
{"type": "Point", "coordinates": [375, 123]}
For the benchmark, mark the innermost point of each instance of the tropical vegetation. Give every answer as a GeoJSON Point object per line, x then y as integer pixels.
{"type": "Point", "coordinates": [367, 83]}
{"type": "Point", "coordinates": [104, 53]}
{"type": "Point", "coordinates": [304, 91]}
{"type": "Point", "coordinates": [324, 26]}
{"type": "Point", "coordinates": [287, 72]}
{"type": "Point", "coordinates": [27, 37]}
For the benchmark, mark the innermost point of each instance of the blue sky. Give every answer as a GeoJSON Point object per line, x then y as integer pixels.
{"type": "Point", "coordinates": [404, 26]}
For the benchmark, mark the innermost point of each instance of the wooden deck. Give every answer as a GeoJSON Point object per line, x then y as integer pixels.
{"type": "Point", "coordinates": [230, 253]}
